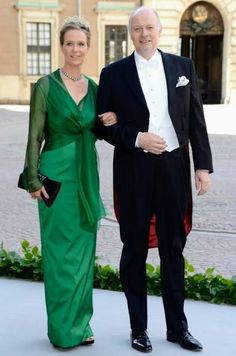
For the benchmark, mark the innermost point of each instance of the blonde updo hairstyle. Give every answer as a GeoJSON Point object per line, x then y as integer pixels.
{"type": "Point", "coordinates": [75, 23]}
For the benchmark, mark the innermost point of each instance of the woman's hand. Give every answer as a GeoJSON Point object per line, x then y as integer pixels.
{"type": "Point", "coordinates": [38, 194]}
{"type": "Point", "coordinates": [108, 118]}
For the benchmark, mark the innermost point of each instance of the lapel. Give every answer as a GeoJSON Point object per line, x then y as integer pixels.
{"type": "Point", "coordinates": [170, 73]}
{"type": "Point", "coordinates": [132, 79]}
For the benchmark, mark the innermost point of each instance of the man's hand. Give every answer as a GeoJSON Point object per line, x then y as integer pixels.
{"type": "Point", "coordinates": [202, 181]}
{"type": "Point", "coordinates": [151, 142]}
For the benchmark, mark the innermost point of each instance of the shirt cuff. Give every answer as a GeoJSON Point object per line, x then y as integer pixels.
{"type": "Point", "coordinates": [203, 170]}
{"type": "Point", "coordinates": [136, 141]}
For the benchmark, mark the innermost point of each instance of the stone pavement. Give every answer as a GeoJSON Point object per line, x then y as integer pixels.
{"type": "Point", "coordinates": [212, 243]}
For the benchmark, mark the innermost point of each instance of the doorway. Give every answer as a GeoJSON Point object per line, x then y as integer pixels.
{"type": "Point", "coordinates": [201, 33]}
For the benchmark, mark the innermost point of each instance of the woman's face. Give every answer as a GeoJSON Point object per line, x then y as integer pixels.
{"type": "Point", "coordinates": [75, 47]}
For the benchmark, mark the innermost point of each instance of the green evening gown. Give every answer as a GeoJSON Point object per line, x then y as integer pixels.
{"type": "Point", "coordinates": [68, 227]}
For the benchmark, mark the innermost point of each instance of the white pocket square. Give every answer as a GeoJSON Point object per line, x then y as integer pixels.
{"type": "Point", "coordinates": [182, 81]}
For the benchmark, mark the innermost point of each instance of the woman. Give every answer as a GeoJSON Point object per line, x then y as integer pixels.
{"type": "Point", "coordinates": [62, 113]}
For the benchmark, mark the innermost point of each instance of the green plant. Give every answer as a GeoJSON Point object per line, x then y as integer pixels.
{"type": "Point", "coordinates": [28, 265]}
{"type": "Point", "coordinates": [153, 280]}
{"type": "Point", "coordinates": [210, 287]}
{"type": "Point", "coordinates": [106, 277]}
{"type": "Point", "coordinates": [205, 286]}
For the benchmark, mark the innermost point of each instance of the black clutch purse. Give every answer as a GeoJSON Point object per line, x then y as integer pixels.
{"type": "Point", "coordinates": [52, 187]}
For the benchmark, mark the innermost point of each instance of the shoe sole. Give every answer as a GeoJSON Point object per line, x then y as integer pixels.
{"type": "Point", "coordinates": [86, 343]}
{"type": "Point", "coordinates": [173, 340]}
{"type": "Point", "coordinates": [144, 351]}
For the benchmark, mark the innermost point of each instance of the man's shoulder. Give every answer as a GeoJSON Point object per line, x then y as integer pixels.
{"type": "Point", "coordinates": [175, 57]}
{"type": "Point", "coordinates": [119, 64]}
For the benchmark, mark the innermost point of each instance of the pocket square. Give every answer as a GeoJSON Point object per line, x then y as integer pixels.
{"type": "Point", "coordinates": [182, 81]}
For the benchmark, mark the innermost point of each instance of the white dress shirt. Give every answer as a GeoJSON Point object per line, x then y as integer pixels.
{"type": "Point", "coordinates": [153, 82]}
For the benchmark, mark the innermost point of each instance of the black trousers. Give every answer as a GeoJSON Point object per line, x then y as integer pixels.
{"type": "Point", "coordinates": [159, 186]}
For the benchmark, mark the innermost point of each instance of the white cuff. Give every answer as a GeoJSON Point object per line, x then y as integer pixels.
{"type": "Point", "coordinates": [136, 141]}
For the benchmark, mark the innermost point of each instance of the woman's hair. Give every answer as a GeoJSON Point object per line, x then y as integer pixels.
{"type": "Point", "coordinates": [75, 23]}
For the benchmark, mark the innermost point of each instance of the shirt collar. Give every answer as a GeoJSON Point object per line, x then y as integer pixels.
{"type": "Point", "coordinates": [142, 62]}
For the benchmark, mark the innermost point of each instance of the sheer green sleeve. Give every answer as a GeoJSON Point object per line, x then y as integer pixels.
{"type": "Point", "coordinates": [37, 120]}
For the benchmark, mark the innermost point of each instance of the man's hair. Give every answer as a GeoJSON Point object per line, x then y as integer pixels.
{"type": "Point", "coordinates": [136, 11]}
{"type": "Point", "coordinates": [75, 23]}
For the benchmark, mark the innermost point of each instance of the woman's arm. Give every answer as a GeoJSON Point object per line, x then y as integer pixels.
{"type": "Point", "coordinates": [37, 120]}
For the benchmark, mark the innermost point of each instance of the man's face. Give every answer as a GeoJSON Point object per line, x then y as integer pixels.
{"type": "Point", "coordinates": [145, 33]}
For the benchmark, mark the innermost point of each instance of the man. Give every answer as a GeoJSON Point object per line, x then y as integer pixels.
{"type": "Point", "coordinates": [156, 98]}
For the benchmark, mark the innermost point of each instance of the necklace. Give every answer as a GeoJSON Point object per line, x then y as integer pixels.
{"type": "Point", "coordinates": [75, 79]}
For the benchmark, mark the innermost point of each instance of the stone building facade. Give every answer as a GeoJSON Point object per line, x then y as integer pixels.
{"type": "Point", "coordinates": [202, 30]}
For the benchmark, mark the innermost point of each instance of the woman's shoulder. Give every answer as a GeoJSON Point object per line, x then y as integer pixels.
{"type": "Point", "coordinates": [42, 82]}
{"type": "Point", "coordinates": [46, 78]}
{"type": "Point", "coordinates": [92, 84]}
{"type": "Point", "coordinates": [91, 81]}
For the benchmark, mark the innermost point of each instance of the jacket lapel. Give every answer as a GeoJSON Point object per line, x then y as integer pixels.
{"type": "Point", "coordinates": [170, 73]}
{"type": "Point", "coordinates": [132, 79]}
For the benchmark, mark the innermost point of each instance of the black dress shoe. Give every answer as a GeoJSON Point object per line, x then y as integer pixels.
{"type": "Point", "coordinates": [185, 340]}
{"type": "Point", "coordinates": [140, 341]}
{"type": "Point", "coordinates": [89, 341]}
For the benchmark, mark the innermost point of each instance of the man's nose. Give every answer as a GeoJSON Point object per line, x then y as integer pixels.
{"type": "Point", "coordinates": [144, 32]}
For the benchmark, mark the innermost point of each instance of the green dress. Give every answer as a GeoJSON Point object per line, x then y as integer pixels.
{"type": "Point", "coordinates": [68, 227]}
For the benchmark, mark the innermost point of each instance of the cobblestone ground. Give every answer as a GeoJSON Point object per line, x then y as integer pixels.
{"type": "Point", "coordinates": [212, 243]}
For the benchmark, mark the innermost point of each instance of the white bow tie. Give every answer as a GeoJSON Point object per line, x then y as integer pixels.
{"type": "Point", "coordinates": [152, 64]}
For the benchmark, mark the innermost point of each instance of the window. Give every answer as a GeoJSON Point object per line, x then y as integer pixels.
{"type": "Point", "coordinates": [38, 48]}
{"type": "Point", "coordinates": [115, 43]}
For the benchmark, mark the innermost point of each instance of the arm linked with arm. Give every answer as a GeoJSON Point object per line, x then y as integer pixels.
{"type": "Point", "coordinates": [119, 134]}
